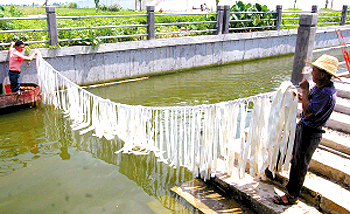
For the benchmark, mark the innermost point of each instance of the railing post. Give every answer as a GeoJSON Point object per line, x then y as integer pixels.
{"type": "Point", "coordinates": [343, 15]}
{"type": "Point", "coordinates": [226, 20]}
{"type": "Point", "coordinates": [304, 45]}
{"type": "Point", "coordinates": [219, 19]}
{"type": "Point", "coordinates": [314, 9]}
{"type": "Point", "coordinates": [52, 25]}
{"type": "Point", "coordinates": [150, 22]}
{"type": "Point", "coordinates": [278, 17]}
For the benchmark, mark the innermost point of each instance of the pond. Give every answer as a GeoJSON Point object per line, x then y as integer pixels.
{"type": "Point", "coordinates": [45, 167]}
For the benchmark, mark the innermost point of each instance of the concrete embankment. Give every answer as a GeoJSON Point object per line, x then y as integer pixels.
{"type": "Point", "coordinates": [109, 62]}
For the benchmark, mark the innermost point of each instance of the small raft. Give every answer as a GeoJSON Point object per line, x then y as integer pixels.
{"type": "Point", "coordinates": [28, 96]}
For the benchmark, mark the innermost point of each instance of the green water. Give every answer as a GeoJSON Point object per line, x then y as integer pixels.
{"type": "Point", "coordinates": [45, 167]}
{"type": "Point", "coordinates": [203, 86]}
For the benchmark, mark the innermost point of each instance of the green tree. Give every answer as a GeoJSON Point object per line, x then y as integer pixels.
{"type": "Point", "coordinates": [72, 5]}
{"type": "Point", "coordinates": [326, 5]}
{"type": "Point", "coordinates": [96, 5]}
{"type": "Point", "coordinates": [217, 3]}
{"type": "Point", "coordinates": [295, 1]}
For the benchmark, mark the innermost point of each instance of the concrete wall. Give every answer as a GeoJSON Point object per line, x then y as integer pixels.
{"type": "Point", "coordinates": [84, 65]}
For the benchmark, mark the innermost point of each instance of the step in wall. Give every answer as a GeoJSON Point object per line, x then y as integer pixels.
{"type": "Point", "coordinates": [257, 193]}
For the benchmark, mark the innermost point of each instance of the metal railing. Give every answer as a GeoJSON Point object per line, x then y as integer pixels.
{"type": "Point", "coordinates": [221, 22]}
{"type": "Point", "coordinates": [272, 21]}
{"type": "Point", "coordinates": [103, 27]}
{"type": "Point", "coordinates": [185, 23]}
{"type": "Point", "coordinates": [321, 21]}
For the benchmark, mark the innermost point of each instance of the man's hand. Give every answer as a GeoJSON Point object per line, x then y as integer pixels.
{"type": "Point", "coordinates": [304, 85]}
{"type": "Point", "coordinates": [12, 44]}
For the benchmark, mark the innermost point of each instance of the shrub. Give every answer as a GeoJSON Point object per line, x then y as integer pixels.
{"type": "Point", "coordinates": [72, 5]}
{"type": "Point", "coordinates": [258, 19]}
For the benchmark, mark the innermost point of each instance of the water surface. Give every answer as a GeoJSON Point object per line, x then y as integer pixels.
{"type": "Point", "coordinates": [45, 167]}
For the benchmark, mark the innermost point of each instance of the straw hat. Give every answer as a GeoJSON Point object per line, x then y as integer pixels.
{"type": "Point", "coordinates": [327, 63]}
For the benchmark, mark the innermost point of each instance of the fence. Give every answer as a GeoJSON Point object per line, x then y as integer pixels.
{"type": "Point", "coordinates": [323, 18]}
{"type": "Point", "coordinates": [221, 22]}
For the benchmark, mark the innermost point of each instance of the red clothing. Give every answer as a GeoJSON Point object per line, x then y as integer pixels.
{"type": "Point", "coordinates": [15, 59]}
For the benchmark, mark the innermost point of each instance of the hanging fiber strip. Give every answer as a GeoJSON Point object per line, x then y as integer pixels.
{"type": "Point", "coordinates": [255, 132]}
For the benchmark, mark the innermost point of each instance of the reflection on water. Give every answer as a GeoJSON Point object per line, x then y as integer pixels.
{"type": "Point", "coordinates": [69, 173]}
{"type": "Point", "coordinates": [45, 167]}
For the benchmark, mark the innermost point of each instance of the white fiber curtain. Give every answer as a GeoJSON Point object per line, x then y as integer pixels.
{"type": "Point", "coordinates": [251, 133]}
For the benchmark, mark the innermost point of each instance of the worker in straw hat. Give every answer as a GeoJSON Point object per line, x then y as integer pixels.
{"type": "Point", "coordinates": [318, 104]}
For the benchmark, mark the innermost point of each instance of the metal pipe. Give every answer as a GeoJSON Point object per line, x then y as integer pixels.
{"type": "Point", "coordinates": [101, 16]}
{"type": "Point", "coordinates": [22, 18]}
{"type": "Point", "coordinates": [24, 30]}
{"type": "Point", "coordinates": [183, 23]}
{"type": "Point", "coordinates": [194, 31]}
{"type": "Point", "coordinates": [185, 14]}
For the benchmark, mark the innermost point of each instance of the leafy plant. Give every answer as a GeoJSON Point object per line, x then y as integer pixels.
{"type": "Point", "coordinates": [250, 16]}
{"type": "Point", "coordinates": [72, 5]}
{"type": "Point", "coordinates": [114, 8]}
{"type": "Point", "coordinates": [96, 5]}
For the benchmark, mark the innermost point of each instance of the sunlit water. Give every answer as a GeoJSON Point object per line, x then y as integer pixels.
{"type": "Point", "coordinates": [45, 167]}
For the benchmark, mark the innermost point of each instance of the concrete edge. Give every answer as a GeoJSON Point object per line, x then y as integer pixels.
{"type": "Point", "coordinates": [336, 142]}
{"type": "Point", "coordinates": [342, 106]}
{"type": "Point", "coordinates": [241, 196]}
{"type": "Point", "coordinates": [333, 171]}
{"type": "Point", "coordinates": [313, 197]}
{"type": "Point", "coordinates": [192, 200]}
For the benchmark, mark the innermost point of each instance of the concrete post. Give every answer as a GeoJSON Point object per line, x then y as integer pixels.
{"type": "Point", "coordinates": [343, 15]}
{"type": "Point", "coordinates": [219, 19]}
{"type": "Point", "coordinates": [52, 25]}
{"type": "Point", "coordinates": [150, 22]}
{"type": "Point", "coordinates": [226, 20]}
{"type": "Point", "coordinates": [278, 17]}
{"type": "Point", "coordinates": [314, 9]}
{"type": "Point", "coordinates": [304, 45]}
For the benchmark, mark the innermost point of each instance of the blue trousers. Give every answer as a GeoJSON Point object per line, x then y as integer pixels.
{"type": "Point", "coordinates": [306, 141]}
{"type": "Point", "coordinates": [14, 80]}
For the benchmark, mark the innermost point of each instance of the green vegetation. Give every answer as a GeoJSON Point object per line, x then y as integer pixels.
{"type": "Point", "coordinates": [248, 17]}
{"type": "Point", "coordinates": [90, 36]}
{"type": "Point", "coordinates": [249, 12]}
{"type": "Point", "coordinates": [72, 5]}
{"type": "Point", "coordinates": [325, 18]}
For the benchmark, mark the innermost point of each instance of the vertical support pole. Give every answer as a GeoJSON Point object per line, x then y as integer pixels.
{"type": "Point", "coordinates": [314, 9]}
{"type": "Point", "coordinates": [343, 15]}
{"type": "Point", "coordinates": [52, 25]}
{"type": "Point", "coordinates": [278, 17]}
{"type": "Point", "coordinates": [226, 20]}
{"type": "Point", "coordinates": [219, 19]}
{"type": "Point", "coordinates": [150, 22]}
{"type": "Point", "coordinates": [304, 45]}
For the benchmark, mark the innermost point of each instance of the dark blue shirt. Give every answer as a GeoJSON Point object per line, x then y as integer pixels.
{"type": "Point", "coordinates": [322, 103]}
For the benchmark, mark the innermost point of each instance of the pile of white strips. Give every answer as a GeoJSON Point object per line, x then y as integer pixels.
{"type": "Point", "coordinates": [255, 132]}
